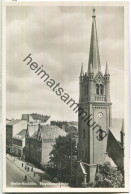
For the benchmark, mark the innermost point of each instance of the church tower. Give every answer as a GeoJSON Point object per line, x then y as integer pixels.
{"type": "Point", "coordinates": [95, 100]}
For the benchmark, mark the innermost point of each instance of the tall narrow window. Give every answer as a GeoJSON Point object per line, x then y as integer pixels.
{"type": "Point", "coordinates": [83, 133]}
{"type": "Point", "coordinates": [85, 90]}
{"type": "Point", "coordinates": [101, 89]}
{"type": "Point", "coordinates": [97, 89]}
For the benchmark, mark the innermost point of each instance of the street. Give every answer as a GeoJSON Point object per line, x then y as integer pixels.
{"type": "Point", "coordinates": [15, 176]}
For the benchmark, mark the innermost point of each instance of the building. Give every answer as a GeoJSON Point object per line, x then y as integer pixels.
{"type": "Point", "coordinates": [61, 124]}
{"type": "Point", "coordinates": [39, 145]}
{"type": "Point", "coordinates": [35, 118]}
{"type": "Point", "coordinates": [12, 128]}
{"type": "Point", "coordinates": [18, 143]}
{"type": "Point", "coordinates": [95, 102]}
{"type": "Point", "coordinates": [67, 126]}
{"type": "Point", "coordinates": [31, 129]}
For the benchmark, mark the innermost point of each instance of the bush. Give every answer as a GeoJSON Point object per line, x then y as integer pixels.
{"type": "Point", "coordinates": [107, 177]}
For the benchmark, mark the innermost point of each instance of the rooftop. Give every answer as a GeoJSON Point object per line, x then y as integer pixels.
{"type": "Point", "coordinates": [116, 127]}
{"type": "Point", "coordinates": [50, 132]}
{"type": "Point", "coordinates": [42, 118]}
{"type": "Point", "coordinates": [21, 134]}
{"type": "Point", "coordinates": [32, 129]}
{"type": "Point", "coordinates": [13, 122]}
{"type": "Point", "coordinates": [35, 116]}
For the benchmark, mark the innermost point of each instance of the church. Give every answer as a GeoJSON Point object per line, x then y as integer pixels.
{"type": "Point", "coordinates": [94, 99]}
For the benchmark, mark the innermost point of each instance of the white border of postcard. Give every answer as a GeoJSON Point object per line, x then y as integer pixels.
{"type": "Point", "coordinates": [126, 92]}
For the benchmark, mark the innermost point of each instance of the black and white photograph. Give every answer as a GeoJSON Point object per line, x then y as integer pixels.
{"type": "Point", "coordinates": [66, 97]}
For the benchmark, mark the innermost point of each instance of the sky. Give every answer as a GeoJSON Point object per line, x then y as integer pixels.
{"type": "Point", "coordinates": [58, 37]}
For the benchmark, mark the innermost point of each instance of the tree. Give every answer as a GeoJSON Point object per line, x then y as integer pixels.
{"type": "Point", "coordinates": [107, 176]}
{"type": "Point", "coordinates": [72, 130]}
{"type": "Point", "coordinates": [64, 157]}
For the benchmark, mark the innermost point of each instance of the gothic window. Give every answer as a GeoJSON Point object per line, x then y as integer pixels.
{"type": "Point", "coordinates": [83, 133]}
{"type": "Point", "coordinates": [101, 89]}
{"type": "Point", "coordinates": [97, 89]}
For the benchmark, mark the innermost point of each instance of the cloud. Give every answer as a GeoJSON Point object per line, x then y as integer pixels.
{"type": "Point", "coordinates": [59, 39]}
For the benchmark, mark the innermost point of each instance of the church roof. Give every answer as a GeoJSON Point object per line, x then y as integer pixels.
{"type": "Point", "coordinates": [116, 127]}
{"type": "Point", "coordinates": [115, 150]}
{"type": "Point", "coordinates": [94, 57]}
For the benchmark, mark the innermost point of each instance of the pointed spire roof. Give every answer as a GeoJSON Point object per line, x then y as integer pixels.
{"type": "Point", "coordinates": [94, 57]}
{"type": "Point", "coordinates": [90, 70]}
{"type": "Point", "coordinates": [106, 70]}
{"type": "Point", "coordinates": [122, 128]}
{"type": "Point", "coordinates": [82, 71]}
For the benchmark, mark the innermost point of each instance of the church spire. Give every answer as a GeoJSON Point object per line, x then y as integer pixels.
{"type": "Point", "coordinates": [82, 71]}
{"type": "Point", "coordinates": [94, 57]}
{"type": "Point", "coordinates": [107, 70]}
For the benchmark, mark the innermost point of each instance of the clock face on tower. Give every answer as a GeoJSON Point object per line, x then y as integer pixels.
{"type": "Point", "coordinates": [100, 115]}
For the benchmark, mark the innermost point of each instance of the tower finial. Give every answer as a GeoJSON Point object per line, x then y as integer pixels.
{"type": "Point", "coordinates": [122, 128]}
{"type": "Point", "coordinates": [82, 71]}
{"type": "Point", "coordinates": [93, 13]}
{"type": "Point", "coordinates": [106, 70]}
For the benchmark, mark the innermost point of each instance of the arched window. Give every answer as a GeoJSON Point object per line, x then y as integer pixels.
{"type": "Point", "coordinates": [97, 89]}
{"type": "Point", "coordinates": [101, 89]}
